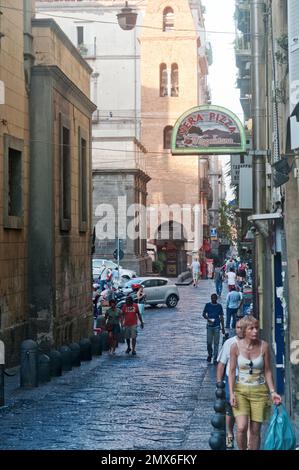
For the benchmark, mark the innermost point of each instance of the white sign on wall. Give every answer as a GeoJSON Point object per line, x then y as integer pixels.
{"type": "Point", "coordinates": [2, 92]}
{"type": "Point", "coordinates": [2, 356]}
{"type": "Point", "coordinates": [238, 162]}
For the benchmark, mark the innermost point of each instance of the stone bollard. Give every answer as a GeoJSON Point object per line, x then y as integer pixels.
{"type": "Point", "coordinates": [28, 369]}
{"type": "Point", "coordinates": [75, 352]}
{"type": "Point", "coordinates": [66, 358]}
{"type": "Point", "coordinates": [105, 340]}
{"type": "Point", "coordinates": [55, 363]}
{"type": "Point", "coordinates": [43, 369]}
{"type": "Point", "coordinates": [85, 349]}
{"type": "Point", "coordinates": [96, 345]}
{"type": "Point", "coordinates": [217, 440]}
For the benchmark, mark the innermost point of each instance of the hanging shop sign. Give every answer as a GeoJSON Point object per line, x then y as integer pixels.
{"type": "Point", "coordinates": [208, 129]}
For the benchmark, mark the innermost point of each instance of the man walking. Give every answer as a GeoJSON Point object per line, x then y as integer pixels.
{"type": "Point", "coordinates": [218, 279]}
{"type": "Point", "coordinates": [231, 279]}
{"type": "Point", "coordinates": [129, 320]}
{"type": "Point", "coordinates": [213, 313]}
{"type": "Point", "coordinates": [233, 301]}
{"type": "Point", "coordinates": [195, 267]}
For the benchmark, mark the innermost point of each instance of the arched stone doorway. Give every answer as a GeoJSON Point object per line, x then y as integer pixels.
{"type": "Point", "coordinates": [170, 241]}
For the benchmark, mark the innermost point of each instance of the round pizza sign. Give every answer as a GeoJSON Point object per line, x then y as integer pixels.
{"type": "Point", "coordinates": [208, 129]}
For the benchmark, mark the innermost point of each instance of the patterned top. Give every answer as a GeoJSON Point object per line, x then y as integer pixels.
{"type": "Point", "coordinates": [251, 371]}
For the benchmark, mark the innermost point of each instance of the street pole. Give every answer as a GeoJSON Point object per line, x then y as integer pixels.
{"type": "Point", "coordinates": [118, 259]}
{"type": "Point", "coordinates": [259, 144]}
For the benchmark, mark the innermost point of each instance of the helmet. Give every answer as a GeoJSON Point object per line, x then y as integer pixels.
{"type": "Point", "coordinates": [136, 286]}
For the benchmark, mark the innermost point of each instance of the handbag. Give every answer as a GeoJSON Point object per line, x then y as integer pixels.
{"type": "Point", "coordinates": [280, 434]}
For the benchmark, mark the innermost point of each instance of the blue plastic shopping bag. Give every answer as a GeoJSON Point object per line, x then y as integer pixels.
{"type": "Point", "coordinates": [280, 434]}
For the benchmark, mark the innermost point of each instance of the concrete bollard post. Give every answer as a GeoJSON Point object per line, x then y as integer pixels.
{"type": "Point", "coordinates": [43, 369]}
{"type": "Point", "coordinates": [85, 349]}
{"type": "Point", "coordinates": [55, 363]}
{"type": "Point", "coordinates": [75, 353]}
{"type": "Point", "coordinates": [66, 358]}
{"type": "Point", "coordinates": [28, 370]}
{"type": "Point", "coordinates": [217, 439]}
{"type": "Point", "coordinates": [96, 345]}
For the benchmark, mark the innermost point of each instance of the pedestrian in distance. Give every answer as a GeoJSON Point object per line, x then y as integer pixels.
{"type": "Point", "coordinates": [223, 373]}
{"type": "Point", "coordinates": [218, 279]}
{"type": "Point", "coordinates": [113, 319]}
{"type": "Point", "coordinates": [213, 313]}
{"type": "Point", "coordinates": [141, 297]}
{"type": "Point", "coordinates": [195, 267]}
{"type": "Point", "coordinates": [233, 302]}
{"type": "Point", "coordinates": [231, 279]}
{"type": "Point", "coordinates": [251, 389]}
{"type": "Point", "coordinates": [95, 300]}
{"type": "Point", "coordinates": [129, 320]}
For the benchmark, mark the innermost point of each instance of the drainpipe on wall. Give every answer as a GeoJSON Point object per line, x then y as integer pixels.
{"type": "Point", "coordinates": [29, 8]}
{"type": "Point", "coordinates": [259, 144]}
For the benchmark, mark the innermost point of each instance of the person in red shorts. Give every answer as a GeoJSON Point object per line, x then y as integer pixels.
{"type": "Point", "coordinates": [129, 320]}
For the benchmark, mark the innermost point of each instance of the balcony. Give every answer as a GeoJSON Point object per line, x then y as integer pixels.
{"type": "Point", "coordinates": [206, 189]}
{"type": "Point", "coordinates": [242, 50]}
{"type": "Point", "coordinates": [88, 51]}
{"type": "Point", "coordinates": [242, 15]}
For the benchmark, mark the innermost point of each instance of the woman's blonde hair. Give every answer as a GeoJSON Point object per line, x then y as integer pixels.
{"type": "Point", "coordinates": [246, 321]}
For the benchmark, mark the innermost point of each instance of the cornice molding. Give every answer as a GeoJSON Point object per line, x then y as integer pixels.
{"type": "Point", "coordinates": [64, 84]}
{"type": "Point", "coordinates": [53, 26]}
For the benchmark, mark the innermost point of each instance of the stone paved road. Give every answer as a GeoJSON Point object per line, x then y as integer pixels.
{"type": "Point", "coordinates": [160, 399]}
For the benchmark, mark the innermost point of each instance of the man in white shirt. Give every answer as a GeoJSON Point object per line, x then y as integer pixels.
{"type": "Point", "coordinates": [195, 266]}
{"type": "Point", "coordinates": [223, 366]}
{"type": "Point", "coordinates": [231, 279]}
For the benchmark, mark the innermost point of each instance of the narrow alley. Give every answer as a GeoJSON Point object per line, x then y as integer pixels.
{"type": "Point", "coordinates": [160, 399]}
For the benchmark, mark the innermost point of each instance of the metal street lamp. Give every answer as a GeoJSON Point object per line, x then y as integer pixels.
{"type": "Point", "coordinates": [127, 18]}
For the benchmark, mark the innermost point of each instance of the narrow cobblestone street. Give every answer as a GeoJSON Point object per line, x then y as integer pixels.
{"type": "Point", "coordinates": [160, 399]}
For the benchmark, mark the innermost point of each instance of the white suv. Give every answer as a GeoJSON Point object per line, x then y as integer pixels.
{"type": "Point", "coordinates": [100, 266]}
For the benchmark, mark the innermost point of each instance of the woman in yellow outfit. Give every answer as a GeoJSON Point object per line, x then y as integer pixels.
{"type": "Point", "coordinates": [251, 389]}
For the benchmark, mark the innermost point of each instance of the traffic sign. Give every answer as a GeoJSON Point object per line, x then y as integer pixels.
{"type": "Point", "coordinates": [121, 254]}
{"type": "Point", "coordinates": [213, 233]}
{"type": "Point", "coordinates": [119, 243]}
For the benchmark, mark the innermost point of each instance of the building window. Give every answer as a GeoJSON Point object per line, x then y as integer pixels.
{"type": "Point", "coordinates": [167, 137]}
{"type": "Point", "coordinates": [13, 191]}
{"type": "Point", "coordinates": [65, 174]}
{"type": "Point", "coordinates": [164, 82]}
{"type": "Point", "coordinates": [80, 35]}
{"type": "Point", "coordinates": [168, 19]}
{"type": "Point", "coordinates": [174, 80]}
{"type": "Point", "coordinates": [83, 184]}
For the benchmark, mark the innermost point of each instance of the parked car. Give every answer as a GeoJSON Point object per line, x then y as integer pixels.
{"type": "Point", "coordinates": [100, 266]}
{"type": "Point", "coordinates": [158, 290]}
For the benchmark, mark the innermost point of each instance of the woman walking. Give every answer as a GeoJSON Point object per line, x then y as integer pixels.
{"type": "Point", "coordinates": [113, 319]}
{"type": "Point", "coordinates": [141, 297]}
{"type": "Point", "coordinates": [250, 391]}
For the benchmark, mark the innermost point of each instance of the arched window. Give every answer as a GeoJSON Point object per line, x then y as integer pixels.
{"type": "Point", "coordinates": [168, 19]}
{"type": "Point", "coordinates": [163, 80]}
{"type": "Point", "coordinates": [167, 137]}
{"type": "Point", "coordinates": [174, 80]}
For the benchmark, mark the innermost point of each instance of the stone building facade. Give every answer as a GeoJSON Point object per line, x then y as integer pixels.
{"type": "Point", "coordinates": [174, 65]}
{"type": "Point", "coordinates": [60, 198]}
{"type": "Point", "coordinates": [118, 155]}
{"type": "Point", "coordinates": [45, 220]}
{"type": "Point", "coordinates": [14, 180]}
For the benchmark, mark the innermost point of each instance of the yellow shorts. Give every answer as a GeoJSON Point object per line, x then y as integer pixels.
{"type": "Point", "coordinates": [252, 401]}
